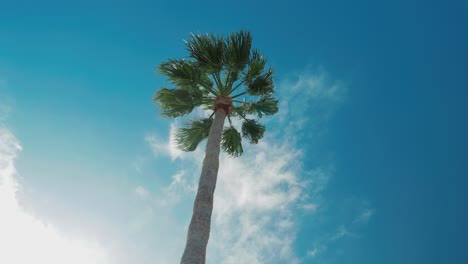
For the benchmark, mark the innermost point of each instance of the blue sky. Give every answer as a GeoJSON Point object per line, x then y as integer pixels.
{"type": "Point", "coordinates": [364, 163]}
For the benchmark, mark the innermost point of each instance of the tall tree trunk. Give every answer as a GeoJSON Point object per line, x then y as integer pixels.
{"type": "Point", "coordinates": [199, 229]}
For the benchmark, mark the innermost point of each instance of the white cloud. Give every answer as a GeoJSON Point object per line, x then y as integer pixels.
{"type": "Point", "coordinates": [162, 147]}
{"type": "Point", "coordinates": [25, 239]}
{"type": "Point", "coordinates": [365, 215]}
{"type": "Point", "coordinates": [344, 231]}
{"type": "Point", "coordinates": [341, 233]}
{"type": "Point", "coordinates": [305, 96]}
{"type": "Point", "coordinates": [256, 194]}
{"type": "Point", "coordinates": [178, 188]}
{"type": "Point", "coordinates": [312, 253]}
{"type": "Point", "coordinates": [142, 193]}
{"type": "Point", "coordinates": [310, 206]}
{"type": "Point", "coordinates": [314, 84]}
{"type": "Point", "coordinates": [174, 151]}
{"type": "Point", "coordinates": [158, 146]}
{"type": "Point", "coordinates": [321, 244]}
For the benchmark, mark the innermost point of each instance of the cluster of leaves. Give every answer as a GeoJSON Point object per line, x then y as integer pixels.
{"type": "Point", "coordinates": [218, 67]}
{"type": "Point", "coordinates": [195, 131]}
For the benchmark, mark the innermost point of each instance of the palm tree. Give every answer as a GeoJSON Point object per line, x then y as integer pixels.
{"type": "Point", "coordinates": [226, 76]}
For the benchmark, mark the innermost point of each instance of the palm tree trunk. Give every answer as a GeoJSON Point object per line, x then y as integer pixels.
{"type": "Point", "coordinates": [199, 229]}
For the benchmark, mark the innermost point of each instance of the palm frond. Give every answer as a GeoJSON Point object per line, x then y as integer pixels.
{"type": "Point", "coordinates": [238, 50]}
{"type": "Point", "coordinates": [262, 84]}
{"type": "Point", "coordinates": [256, 65]}
{"type": "Point", "coordinates": [239, 111]}
{"type": "Point", "coordinates": [184, 74]}
{"type": "Point", "coordinates": [208, 50]}
{"type": "Point", "coordinates": [265, 106]}
{"type": "Point", "coordinates": [189, 137]}
{"type": "Point", "coordinates": [231, 142]}
{"type": "Point", "coordinates": [230, 78]}
{"type": "Point", "coordinates": [178, 102]}
{"type": "Point", "coordinates": [252, 131]}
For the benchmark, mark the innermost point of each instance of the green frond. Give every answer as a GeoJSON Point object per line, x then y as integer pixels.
{"type": "Point", "coordinates": [265, 106]}
{"type": "Point", "coordinates": [189, 137]}
{"type": "Point", "coordinates": [252, 131]}
{"type": "Point", "coordinates": [256, 66]}
{"type": "Point", "coordinates": [184, 74]}
{"type": "Point", "coordinates": [239, 111]}
{"type": "Point", "coordinates": [208, 51]}
{"type": "Point", "coordinates": [178, 102]}
{"type": "Point", "coordinates": [262, 84]}
{"type": "Point", "coordinates": [230, 78]}
{"type": "Point", "coordinates": [231, 142]}
{"type": "Point", "coordinates": [238, 50]}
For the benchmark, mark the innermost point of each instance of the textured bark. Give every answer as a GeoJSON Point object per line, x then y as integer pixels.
{"type": "Point", "coordinates": [199, 229]}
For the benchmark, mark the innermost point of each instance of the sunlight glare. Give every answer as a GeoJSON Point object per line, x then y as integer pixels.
{"type": "Point", "coordinates": [26, 240]}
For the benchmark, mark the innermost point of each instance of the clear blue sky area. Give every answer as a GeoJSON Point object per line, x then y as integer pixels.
{"type": "Point", "coordinates": [79, 77]}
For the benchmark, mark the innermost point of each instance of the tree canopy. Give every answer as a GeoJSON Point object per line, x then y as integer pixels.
{"type": "Point", "coordinates": [219, 73]}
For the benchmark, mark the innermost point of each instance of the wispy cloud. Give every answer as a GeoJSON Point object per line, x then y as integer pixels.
{"type": "Point", "coordinates": [162, 147]}
{"type": "Point", "coordinates": [142, 193]}
{"type": "Point", "coordinates": [158, 145]}
{"type": "Point", "coordinates": [25, 239]}
{"type": "Point", "coordinates": [350, 229]}
{"type": "Point", "coordinates": [312, 253]}
{"type": "Point", "coordinates": [341, 233]}
{"type": "Point", "coordinates": [365, 215]}
{"type": "Point", "coordinates": [254, 204]}
{"type": "Point", "coordinates": [309, 95]}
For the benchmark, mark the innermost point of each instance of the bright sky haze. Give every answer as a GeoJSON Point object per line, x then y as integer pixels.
{"type": "Point", "coordinates": [364, 163]}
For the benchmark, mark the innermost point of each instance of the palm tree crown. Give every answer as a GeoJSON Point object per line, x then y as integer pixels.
{"type": "Point", "coordinates": [220, 73]}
